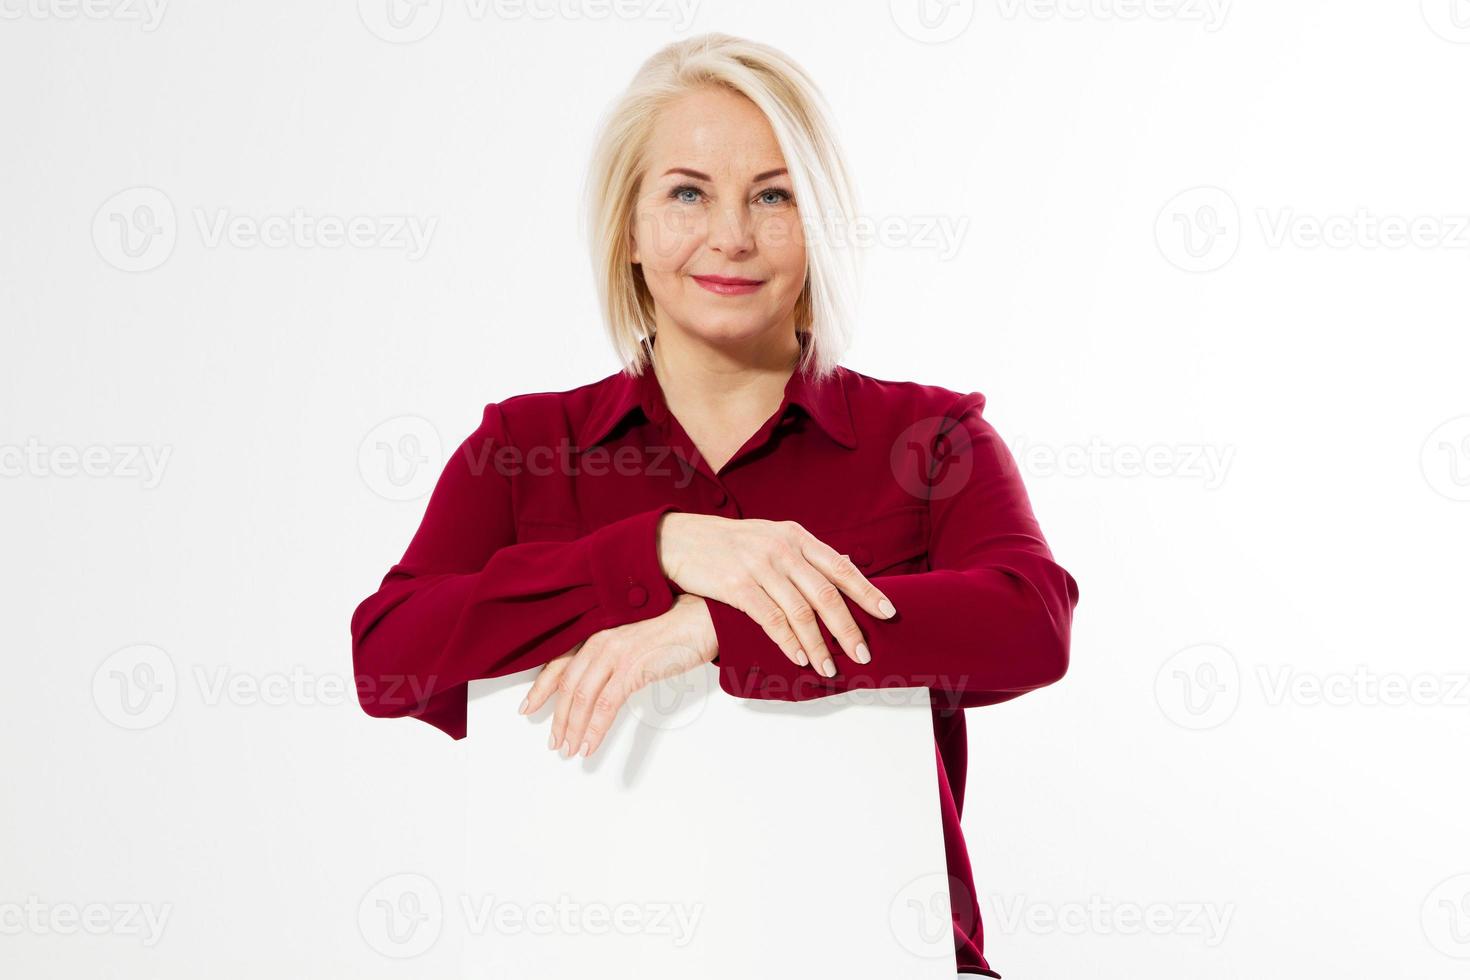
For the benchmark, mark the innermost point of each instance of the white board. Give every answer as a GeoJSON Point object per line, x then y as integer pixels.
{"type": "Point", "coordinates": [709, 836]}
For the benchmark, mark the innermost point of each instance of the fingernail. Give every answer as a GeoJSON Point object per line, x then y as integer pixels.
{"type": "Point", "coordinates": [886, 608]}
{"type": "Point", "coordinates": [566, 748]}
{"type": "Point", "coordinates": [801, 657]}
{"type": "Point", "coordinates": [584, 750]}
{"type": "Point", "coordinates": [551, 741]}
{"type": "Point", "coordinates": [829, 668]}
{"type": "Point", "coordinates": [862, 653]}
{"type": "Point", "coordinates": [525, 703]}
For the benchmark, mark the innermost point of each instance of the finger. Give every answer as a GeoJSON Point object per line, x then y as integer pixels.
{"type": "Point", "coordinates": [565, 685]}
{"type": "Point", "coordinates": [586, 694]}
{"type": "Point", "coordinates": [803, 620]}
{"type": "Point", "coordinates": [772, 618]}
{"type": "Point", "coordinates": [840, 570]}
{"type": "Point", "coordinates": [545, 684]}
{"type": "Point", "coordinates": [823, 595]}
{"type": "Point", "coordinates": [605, 710]}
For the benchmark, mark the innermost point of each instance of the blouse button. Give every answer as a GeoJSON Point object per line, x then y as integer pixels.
{"type": "Point", "coordinates": [862, 556]}
{"type": "Point", "coordinates": [721, 499]}
{"type": "Point", "coordinates": [637, 596]}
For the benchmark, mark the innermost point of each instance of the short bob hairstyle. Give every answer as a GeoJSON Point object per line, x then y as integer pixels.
{"type": "Point", "coordinates": [826, 202]}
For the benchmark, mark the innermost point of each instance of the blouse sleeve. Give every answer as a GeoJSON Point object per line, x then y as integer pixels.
{"type": "Point", "coordinates": [467, 601]}
{"type": "Point", "coordinates": [990, 619]}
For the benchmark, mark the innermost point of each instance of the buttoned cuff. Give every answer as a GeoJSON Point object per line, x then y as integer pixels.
{"type": "Point", "coordinates": [626, 574]}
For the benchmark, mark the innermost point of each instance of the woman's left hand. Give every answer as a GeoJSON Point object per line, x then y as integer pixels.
{"type": "Point", "coordinates": [594, 679]}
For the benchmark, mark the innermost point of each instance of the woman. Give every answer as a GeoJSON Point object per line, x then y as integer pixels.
{"type": "Point", "coordinates": [733, 496]}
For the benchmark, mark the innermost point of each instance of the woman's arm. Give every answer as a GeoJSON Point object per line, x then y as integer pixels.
{"type": "Point", "coordinates": [990, 620]}
{"type": "Point", "coordinates": [467, 602]}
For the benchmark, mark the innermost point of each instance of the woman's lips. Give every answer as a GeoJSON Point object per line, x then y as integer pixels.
{"type": "Point", "coordinates": [725, 286]}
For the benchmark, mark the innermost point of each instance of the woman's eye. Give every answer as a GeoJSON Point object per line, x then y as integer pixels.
{"type": "Point", "coordinates": [689, 194]}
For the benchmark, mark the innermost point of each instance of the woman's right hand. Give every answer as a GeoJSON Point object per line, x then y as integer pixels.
{"type": "Point", "coordinates": [779, 575]}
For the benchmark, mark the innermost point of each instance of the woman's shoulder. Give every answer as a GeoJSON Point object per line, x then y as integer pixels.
{"type": "Point", "coordinates": [883, 397]}
{"type": "Point", "coordinates": [558, 412]}
{"type": "Point", "coordinates": [556, 399]}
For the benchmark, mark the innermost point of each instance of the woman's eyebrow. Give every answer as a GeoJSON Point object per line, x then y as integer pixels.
{"type": "Point", "coordinates": [705, 177]}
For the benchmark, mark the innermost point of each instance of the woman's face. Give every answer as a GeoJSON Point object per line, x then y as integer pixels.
{"type": "Point", "coordinates": [715, 203]}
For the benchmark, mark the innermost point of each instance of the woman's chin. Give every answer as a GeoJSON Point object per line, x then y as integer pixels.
{"type": "Point", "coordinates": [720, 328]}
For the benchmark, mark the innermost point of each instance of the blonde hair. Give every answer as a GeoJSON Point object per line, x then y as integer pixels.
{"type": "Point", "coordinates": [800, 120]}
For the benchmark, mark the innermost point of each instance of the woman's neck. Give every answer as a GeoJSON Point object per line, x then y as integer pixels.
{"type": "Point", "coordinates": [721, 395]}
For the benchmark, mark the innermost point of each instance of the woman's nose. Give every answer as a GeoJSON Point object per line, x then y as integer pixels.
{"type": "Point", "coordinates": [731, 231]}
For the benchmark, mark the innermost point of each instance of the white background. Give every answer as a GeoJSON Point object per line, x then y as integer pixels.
{"type": "Point", "coordinates": [1172, 229]}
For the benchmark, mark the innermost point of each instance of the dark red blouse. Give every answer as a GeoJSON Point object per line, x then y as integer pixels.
{"type": "Point", "coordinates": [542, 531]}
